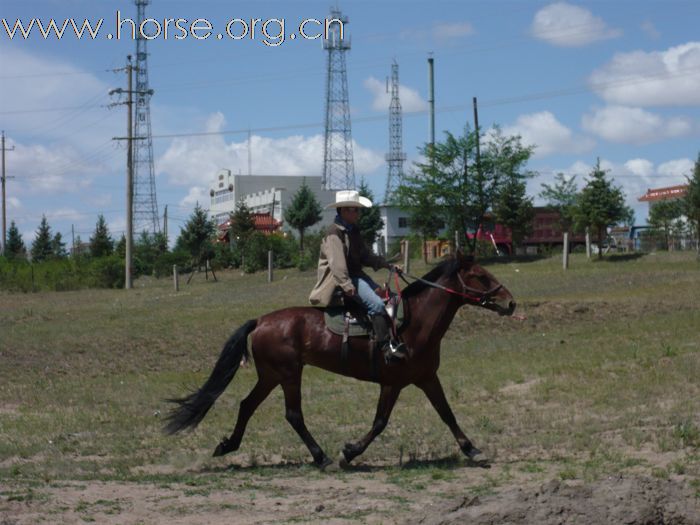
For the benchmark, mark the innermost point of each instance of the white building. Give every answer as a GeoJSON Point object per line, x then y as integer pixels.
{"type": "Point", "coordinates": [264, 194]}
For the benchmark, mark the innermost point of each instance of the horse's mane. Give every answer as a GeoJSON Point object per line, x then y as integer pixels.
{"type": "Point", "coordinates": [448, 267]}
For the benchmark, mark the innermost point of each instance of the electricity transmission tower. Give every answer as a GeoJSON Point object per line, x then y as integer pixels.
{"type": "Point", "coordinates": [338, 165]}
{"type": "Point", "coordinates": [396, 156]}
{"type": "Point", "coordinates": [145, 212]}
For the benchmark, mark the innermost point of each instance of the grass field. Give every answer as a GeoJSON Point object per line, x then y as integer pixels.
{"type": "Point", "coordinates": [602, 379]}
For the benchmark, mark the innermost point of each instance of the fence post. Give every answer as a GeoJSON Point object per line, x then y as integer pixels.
{"type": "Point", "coordinates": [588, 243]}
{"type": "Point", "coordinates": [566, 250]}
{"type": "Point", "coordinates": [176, 279]}
{"type": "Point", "coordinates": [406, 258]}
{"type": "Point", "coordinates": [269, 266]}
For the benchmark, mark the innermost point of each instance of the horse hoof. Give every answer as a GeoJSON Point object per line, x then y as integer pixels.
{"type": "Point", "coordinates": [219, 451]}
{"type": "Point", "coordinates": [343, 463]}
{"type": "Point", "coordinates": [477, 458]}
{"type": "Point", "coordinates": [326, 465]}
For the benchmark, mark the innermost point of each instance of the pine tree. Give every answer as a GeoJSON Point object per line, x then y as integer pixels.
{"type": "Point", "coordinates": [15, 248]}
{"type": "Point", "coordinates": [303, 212]}
{"type": "Point", "coordinates": [562, 197]}
{"type": "Point", "coordinates": [41, 247]}
{"type": "Point", "coordinates": [58, 247]}
{"type": "Point", "coordinates": [600, 205]}
{"type": "Point", "coordinates": [195, 237]}
{"type": "Point", "coordinates": [692, 201]}
{"type": "Point", "coordinates": [370, 222]}
{"type": "Point", "coordinates": [101, 243]}
{"type": "Point", "coordinates": [242, 222]}
{"type": "Point", "coordinates": [513, 209]}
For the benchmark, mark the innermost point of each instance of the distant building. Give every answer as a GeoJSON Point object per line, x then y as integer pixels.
{"type": "Point", "coordinates": [268, 195]}
{"type": "Point", "coordinates": [664, 194]}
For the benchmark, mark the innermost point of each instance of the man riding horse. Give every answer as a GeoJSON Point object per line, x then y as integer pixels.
{"type": "Point", "coordinates": [343, 254]}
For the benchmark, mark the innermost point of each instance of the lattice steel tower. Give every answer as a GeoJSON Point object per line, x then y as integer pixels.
{"type": "Point", "coordinates": [338, 165]}
{"type": "Point", "coordinates": [145, 204]}
{"type": "Point", "coordinates": [396, 156]}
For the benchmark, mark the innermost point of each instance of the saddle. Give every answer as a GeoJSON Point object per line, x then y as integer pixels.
{"type": "Point", "coordinates": [351, 320]}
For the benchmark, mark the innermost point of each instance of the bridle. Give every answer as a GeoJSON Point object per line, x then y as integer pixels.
{"type": "Point", "coordinates": [477, 297]}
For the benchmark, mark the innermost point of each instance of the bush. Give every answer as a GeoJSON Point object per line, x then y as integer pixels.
{"type": "Point", "coordinates": [106, 272]}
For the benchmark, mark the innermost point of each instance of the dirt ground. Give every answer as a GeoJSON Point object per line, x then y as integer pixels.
{"type": "Point", "coordinates": [367, 494]}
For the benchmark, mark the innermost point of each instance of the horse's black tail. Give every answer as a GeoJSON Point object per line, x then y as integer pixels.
{"type": "Point", "coordinates": [194, 407]}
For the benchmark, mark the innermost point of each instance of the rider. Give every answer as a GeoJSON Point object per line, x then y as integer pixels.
{"type": "Point", "coordinates": [343, 254]}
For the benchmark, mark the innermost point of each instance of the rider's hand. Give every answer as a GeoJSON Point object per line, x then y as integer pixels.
{"type": "Point", "coordinates": [396, 268]}
{"type": "Point", "coordinates": [351, 293]}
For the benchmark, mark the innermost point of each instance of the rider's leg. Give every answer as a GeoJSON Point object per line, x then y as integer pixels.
{"type": "Point", "coordinates": [380, 321]}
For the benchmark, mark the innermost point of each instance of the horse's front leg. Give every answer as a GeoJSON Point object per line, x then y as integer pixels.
{"type": "Point", "coordinates": [436, 395]}
{"type": "Point", "coordinates": [387, 399]}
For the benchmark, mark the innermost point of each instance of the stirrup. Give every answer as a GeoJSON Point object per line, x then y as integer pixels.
{"type": "Point", "coordinates": [395, 351]}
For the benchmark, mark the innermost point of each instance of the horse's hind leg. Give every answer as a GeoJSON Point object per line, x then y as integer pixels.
{"type": "Point", "coordinates": [292, 398]}
{"type": "Point", "coordinates": [387, 400]}
{"type": "Point", "coordinates": [248, 406]}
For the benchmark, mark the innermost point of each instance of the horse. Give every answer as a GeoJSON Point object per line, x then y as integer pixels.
{"type": "Point", "coordinates": [284, 341]}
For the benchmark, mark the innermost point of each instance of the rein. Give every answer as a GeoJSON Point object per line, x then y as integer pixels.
{"type": "Point", "coordinates": [478, 297]}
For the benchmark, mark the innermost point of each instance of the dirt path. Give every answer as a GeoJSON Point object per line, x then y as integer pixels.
{"type": "Point", "coordinates": [369, 494]}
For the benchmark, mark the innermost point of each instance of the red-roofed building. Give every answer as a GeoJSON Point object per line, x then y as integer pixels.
{"type": "Point", "coordinates": [664, 194]}
{"type": "Point", "coordinates": [264, 222]}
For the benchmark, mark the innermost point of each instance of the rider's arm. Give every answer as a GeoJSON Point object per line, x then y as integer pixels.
{"type": "Point", "coordinates": [335, 253]}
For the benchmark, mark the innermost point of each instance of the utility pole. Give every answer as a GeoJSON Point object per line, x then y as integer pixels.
{"type": "Point", "coordinates": [128, 281]}
{"type": "Point", "coordinates": [4, 178]}
{"type": "Point", "coordinates": [431, 99]}
{"type": "Point", "coordinates": [165, 224]}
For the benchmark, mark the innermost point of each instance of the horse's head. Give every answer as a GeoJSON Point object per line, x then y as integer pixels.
{"type": "Point", "coordinates": [481, 288]}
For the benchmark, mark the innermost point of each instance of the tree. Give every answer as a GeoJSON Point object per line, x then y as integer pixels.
{"type": "Point", "coordinates": [101, 243]}
{"type": "Point", "coordinates": [562, 196]}
{"type": "Point", "coordinates": [513, 209]}
{"type": "Point", "coordinates": [242, 222]}
{"type": "Point", "coordinates": [303, 212]}
{"type": "Point", "coordinates": [15, 248]}
{"type": "Point", "coordinates": [600, 205]}
{"type": "Point", "coordinates": [692, 201]}
{"type": "Point", "coordinates": [461, 187]}
{"type": "Point", "coordinates": [664, 217]}
{"type": "Point", "coordinates": [41, 247]}
{"type": "Point", "coordinates": [58, 247]}
{"type": "Point", "coordinates": [370, 222]}
{"type": "Point", "coordinates": [195, 237]}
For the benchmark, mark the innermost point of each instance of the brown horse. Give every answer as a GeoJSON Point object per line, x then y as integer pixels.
{"type": "Point", "coordinates": [285, 340]}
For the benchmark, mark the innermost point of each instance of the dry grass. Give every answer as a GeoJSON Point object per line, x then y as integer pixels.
{"type": "Point", "coordinates": [602, 378]}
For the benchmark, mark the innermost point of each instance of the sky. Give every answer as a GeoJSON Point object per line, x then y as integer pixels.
{"type": "Point", "coordinates": [617, 81]}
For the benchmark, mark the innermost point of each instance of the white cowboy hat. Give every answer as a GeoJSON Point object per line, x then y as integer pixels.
{"type": "Point", "coordinates": [350, 199]}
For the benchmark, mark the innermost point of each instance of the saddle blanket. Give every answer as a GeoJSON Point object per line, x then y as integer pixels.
{"type": "Point", "coordinates": [335, 321]}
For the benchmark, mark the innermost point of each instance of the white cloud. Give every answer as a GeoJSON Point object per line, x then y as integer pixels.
{"type": "Point", "coordinates": [634, 125]}
{"type": "Point", "coordinates": [450, 30]}
{"type": "Point", "coordinates": [658, 78]}
{"type": "Point", "coordinates": [676, 168]}
{"type": "Point", "coordinates": [641, 167]}
{"type": "Point", "coordinates": [14, 203]}
{"type": "Point", "coordinates": [195, 160]}
{"type": "Point", "coordinates": [410, 99]}
{"type": "Point", "coordinates": [548, 135]}
{"type": "Point", "coordinates": [567, 25]}
{"type": "Point", "coordinates": [56, 169]}
{"type": "Point", "coordinates": [196, 194]}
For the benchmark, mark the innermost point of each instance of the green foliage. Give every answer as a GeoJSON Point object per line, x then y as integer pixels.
{"type": "Point", "coordinates": [15, 248]}
{"type": "Point", "coordinates": [664, 218]}
{"type": "Point", "coordinates": [101, 243]}
{"type": "Point", "coordinates": [61, 274]}
{"type": "Point", "coordinates": [513, 209]}
{"type": "Point", "coordinates": [242, 222]}
{"type": "Point", "coordinates": [451, 186]}
{"type": "Point", "coordinates": [41, 247]}
{"type": "Point", "coordinates": [251, 252]}
{"type": "Point", "coordinates": [303, 212]}
{"type": "Point", "coordinates": [58, 247]}
{"type": "Point", "coordinates": [147, 249]}
{"type": "Point", "coordinates": [195, 238]}
{"type": "Point", "coordinates": [692, 200]}
{"type": "Point", "coordinates": [562, 197]}
{"type": "Point", "coordinates": [370, 222]}
{"type": "Point", "coordinates": [600, 205]}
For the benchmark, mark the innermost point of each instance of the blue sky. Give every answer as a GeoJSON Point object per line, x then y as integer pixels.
{"type": "Point", "coordinates": [580, 80]}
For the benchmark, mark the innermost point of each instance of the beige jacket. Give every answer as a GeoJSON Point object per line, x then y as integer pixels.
{"type": "Point", "coordinates": [342, 256]}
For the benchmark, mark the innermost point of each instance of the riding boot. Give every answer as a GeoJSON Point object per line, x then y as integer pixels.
{"type": "Point", "coordinates": [392, 349]}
